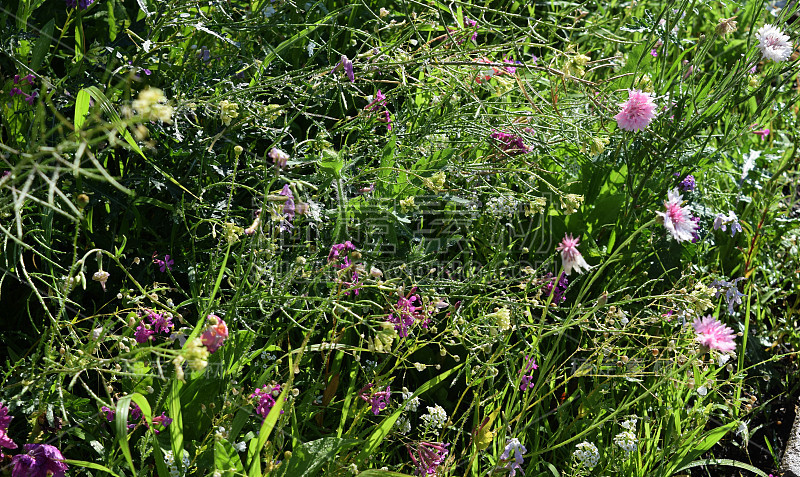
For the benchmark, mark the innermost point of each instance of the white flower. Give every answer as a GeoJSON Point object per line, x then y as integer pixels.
{"type": "Point", "coordinates": [626, 441]}
{"type": "Point", "coordinates": [587, 454]}
{"type": "Point", "coordinates": [411, 404]}
{"type": "Point", "coordinates": [571, 258]}
{"type": "Point", "coordinates": [435, 418]}
{"type": "Point", "coordinates": [677, 220]}
{"type": "Point", "coordinates": [773, 43]}
{"type": "Point", "coordinates": [403, 424]}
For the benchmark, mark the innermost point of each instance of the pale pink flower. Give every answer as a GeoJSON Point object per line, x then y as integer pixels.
{"type": "Point", "coordinates": [677, 219]}
{"type": "Point", "coordinates": [637, 111]}
{"type": "Point", "coordinates": [571, 258]}
{"type": "Point", "coordinates": [773, 43]}
{"type": "Point", "coordinates": [713, 334]}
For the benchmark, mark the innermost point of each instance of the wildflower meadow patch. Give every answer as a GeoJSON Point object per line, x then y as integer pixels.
{"type": "Point", "coordinates": [371, 238]}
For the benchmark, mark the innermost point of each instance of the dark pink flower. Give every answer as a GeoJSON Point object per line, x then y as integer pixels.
{"type": "Point", "coordinates": [677, 219]}
{"type": "Point", "coordinates": [5, 441]}
{"type": "Point", "coordinates": [266, 398]}
{"type": "Point", "coordinates": [427, 456]}
{"type": "Point", "coordinates": [571, 258]}
{"type": "Point", "coordinates": [378, 400]}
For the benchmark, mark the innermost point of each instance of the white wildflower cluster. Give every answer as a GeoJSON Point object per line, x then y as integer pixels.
{"type": "Point", "coordinates": [587, 454]}
{"type": "Point", "coordinates": [403, 424]}
{"type": "Point", "coordinates": [411, 403]}
{"type": "Point", "coordinates": [169, 459]}
{"type": "Point", "coordinates": [626, 440]}
{"type": "Point", "coordinates": [502, 206]}
{"type": "Point", "coordinates": [435, 418]}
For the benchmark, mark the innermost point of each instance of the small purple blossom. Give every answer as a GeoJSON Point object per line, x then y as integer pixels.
{"type": "Point", "coordinates": [378, 399]}
{"type": "Point", "coordinates": [721, 221]}
{"type": "Point", "coordinates": [763, 132]}
{"type": "Point", "coordinates": [732, 294]}
{"type": "Point", "coordinates": [513, 454]}
{"type": "Point", "coordinates": [39, 460]}
{"type": "Point", "coordinates": [288, 205]}
{"type": "Point", "coordinates": [266, 398]}
{"type": "Point", "coordinates": [527, 374]}
{"type": "Point", "coordinates": [340, 258]}
{"type": "Point", "coordinates": [406, 313]}
{"type": "Point", "coordinates": [109, 413]}
{"type": "Point", "coordinates": [164, 265]}
{"type": "Point", "coordinates": [151, 324]}
{"type": "Point", "coordinates": [347, 65]}
{"type": "Point", "coordinates": [555, 288]}
{"type": "Point", "coordinates": [687, 184]}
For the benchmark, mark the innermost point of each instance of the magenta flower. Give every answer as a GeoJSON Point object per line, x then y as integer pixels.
{"type": "Point", "coordinates": [510, 143]}
{"type": "Point", "coordinates": [266, 398]}
{"type": "Point", "coordinates": [714, 335]}
{"type": "Point", "coordinates": [288, 206]}
{"type": "Point", "coordinates": [39, 460]}
{"type": "Point", "coordinates": [571, 258]}
{"type": "Point", "coordinates": [340, 257]}
{"type": "Point", "coordinates": [5, 441]}
{"type": "Point", "coordinates": [215, 334]}
{"type": "Point", "coordinates": [378, 400]}
{"type": "Point", "coordinates": [279, 157]}
{"type": "Point", "coordinates": [428, 456]}
{"type": "Point", "coordinates": [687, 184]}
{"type": "Point", "coordinates": [164, 265]}
{"type": "Point", "coordinates": [556, 288]}
{"type": "Point", "coordinates": [151, 324]}
{"type": "Point", "coordinates": [109, 413]}
{"type": "Point", "coordinates": [406, 313]}
{"type": "Point", "coordinates": [677, 219]}
{"type": "Point", "coordinates": [763, 132]}
{"type": "Point", "coordinates": [637, 111]}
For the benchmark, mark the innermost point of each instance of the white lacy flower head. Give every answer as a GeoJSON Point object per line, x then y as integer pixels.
{"type": "Point", "coordinates": [435, 418]}
{"type": "Point", "coordinates": [411, 403]}
{"type": "Point", "coordinates": [587, 454]}
{"type": "Point", "coordinates": [626, 441]}
{"type": "Point", "coordinates": [773, 43]}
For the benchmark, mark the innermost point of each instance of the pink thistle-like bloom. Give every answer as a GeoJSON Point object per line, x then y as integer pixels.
{"type": "Point", "coordinates": [215, 333]}
{"type": "Point", "coordinates": [677, 219]}
{"type": "Point", "coordinates": [713, 334]}
{"type": "Point", "coordinates": [571, 258]}
{"type": "Point", "coordinates": [637, 111]}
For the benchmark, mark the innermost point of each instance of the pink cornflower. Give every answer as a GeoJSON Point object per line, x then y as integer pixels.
{"type": "Point", "coordinates": [713, 334]}
{"type": "Point", "coordinates": [637, 111]}
{"type": "Point", "coordinates": [215, 333]}
{"type": "Point", "coordinates": [677, 219]}
{"type": "Point", "coordinates": [571, 258]}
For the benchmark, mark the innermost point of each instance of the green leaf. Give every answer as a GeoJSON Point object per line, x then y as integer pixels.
{"type": "Point", "coordinates": [82, 102]}
{"type": "Point", "coordinates": [90, 465]}
{"type": "Point", "coordinates": [226, 458]}
{"type": "Point", "coordinates": [309, 457]}
{"type": "Point", "coordinates": [706, 443]}
{"type": "Point", "coordinates": [176, 427]}
{"type": "Point", "coordinates": [331, 162]}
{"type": "Point", "coordinates": [727, 462]}
{"type": "Point", "coordinates": [42, 46]}
{"type": "Point", "coordinates": [121, 422]}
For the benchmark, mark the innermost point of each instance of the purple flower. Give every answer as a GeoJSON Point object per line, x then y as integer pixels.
{"type": "Point", "coordinates": [514, 448]}
{"type": "Point", "coordinates": [39, 460]}
{"type": "Point", "coordinates": [763, 132]}
{"type": "Point", "coordinates": [406, 314]}
{"type": "Point", "coordinates": [143, 333]}
{"type": "Point", "coordinates": [427, 456]}
{"type": "Point", "coordinates": [30, 98]}
{"type": "Point", "coordinates": [722, 220]}
{"type": "Point", "coordinates": [266, 398]}
{"type": "Point", "coordinates": [164, 265]}
{"type": "Point", "coordinates": [556, 289]}
{"type": "Point", "coordinates": [109, 413]}
{"type": "Point", "coordinates": [340, 258]}
{"type": "Point", "coordinates": [15, 91]}
{"type": "Point", "coordinates": [687, 184]}
{"type": "Point", "coordinates": [153, 323]}
{"type": "Point", "coordinates": [345, 63]}
{"type": "Point", "coordinates": [288, 206]}
{"type": "Point", "coordinates": [732, 294]}
{"type": "Point", "coordinates": [510, 143]}
{"type": "Point", "coordinates": [378, 400]}
{"type": "Point", "coordinates": [527, 374]}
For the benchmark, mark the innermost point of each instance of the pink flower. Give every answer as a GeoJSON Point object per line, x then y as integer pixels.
{"type": "Point", "coordinates": [678, 220]}
{"type": "Point", "coordinates": [637, 111]}
{"type": "Point", "coordinates": [215, 333]}
{"type": "Point", "coordinates": [713, 334]}
{"type": "Point", "coordinates": [764, 132]}
{"type": "Point", "coordinates": [571, 258]}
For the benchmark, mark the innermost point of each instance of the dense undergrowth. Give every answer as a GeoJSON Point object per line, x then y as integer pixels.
{"type": "Point", "coordinates": [331, 238]}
